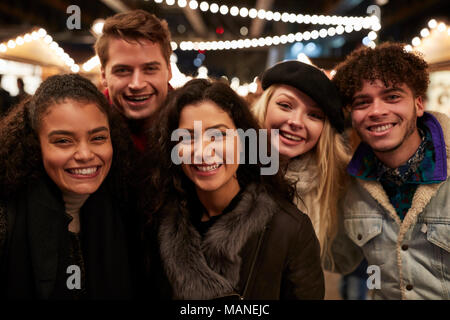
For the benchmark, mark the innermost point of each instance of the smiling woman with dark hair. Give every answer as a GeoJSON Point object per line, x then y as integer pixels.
{"type": "Point", "coordinates": [219, 227]}
{"type": "Point", "coordinates": [62, 232]}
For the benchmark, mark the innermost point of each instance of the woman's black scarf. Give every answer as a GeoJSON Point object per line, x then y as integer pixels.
{"type": "Point", "coordinates": [40, 242]}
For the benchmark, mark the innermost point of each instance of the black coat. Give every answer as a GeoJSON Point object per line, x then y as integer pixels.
{"type": "Point", "coordinates": [35, 252]}
{"type": "Point", "coordinates": [6, 102]}
{"type": "Point", "coordinates": [262, 250]}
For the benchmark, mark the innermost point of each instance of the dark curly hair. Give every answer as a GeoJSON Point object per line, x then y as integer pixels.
{"type": "Point", "coordinates": [20, 152]}
{"type": "Point", "coordinates": [165, 180]}
{"type": "Point", "coordinates": [389, 62]}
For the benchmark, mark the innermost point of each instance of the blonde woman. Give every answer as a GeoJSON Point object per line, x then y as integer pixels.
{"type": "Point", "coordinates": [304, 105]}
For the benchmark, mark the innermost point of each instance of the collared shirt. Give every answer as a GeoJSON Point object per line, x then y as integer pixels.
{"type": "Point", "coordinates": [426, 166]}
{"type": "Point", "coordinates": [404, 173]}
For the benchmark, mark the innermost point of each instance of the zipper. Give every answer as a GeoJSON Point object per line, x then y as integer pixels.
{"type": "Point", "coordinates": [261, 236]}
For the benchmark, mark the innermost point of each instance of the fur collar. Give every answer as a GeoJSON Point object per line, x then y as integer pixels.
{"type": "Point", "coordinates": [209, 268]}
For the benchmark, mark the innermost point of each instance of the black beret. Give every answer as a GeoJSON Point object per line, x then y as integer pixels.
{"type": "Point", "coordinates": [312, 82]}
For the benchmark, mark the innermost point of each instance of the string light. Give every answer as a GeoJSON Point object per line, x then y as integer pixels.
{"type": "Point", "coordinates": [432, 23]}
{"type": "Point", "coordinates": [193, 4]}
{"type": "Point", "coordinates": [97, 26]}
{"type": "Point", "coordinates": [441, 27]}
{"type": "Point", "coordinates": [416, 41]}
{"type": "Point", "coordinates": [369, 40]}
{"type": "Point", "coordinates": [41, 34]}
{"type": "Point", "coordinates": [425, 32]}
{"type": "Point", "coordinates": [408, 48]}
{"type": "Point", "coordinates": [253, 87]}
{"type": "Point", "coordinates": [263, 41]}
{"type": "Point", "coordinates": [75, 68]}
{"type": "Point", "coordinates": [357, 22]}
{"type": "Point", "coordinates": [372, 35]}
{"type": "Point", "coordinates": [91, 63]}
{"type": "Point", "coordinates": [204, 6]}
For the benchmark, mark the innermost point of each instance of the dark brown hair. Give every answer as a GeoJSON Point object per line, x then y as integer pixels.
{"type": "Point", "coordinates": [389, 62]}
{"type": "Point", "coordinates": [20, 152]}
{"type": "Point", "coordinates": [165, 180]}
{"type": "Point", "coordinates": [133, 26]}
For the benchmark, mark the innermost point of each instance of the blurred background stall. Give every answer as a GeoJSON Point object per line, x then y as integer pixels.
{"type": "Point", "coordinates": [233, 40]}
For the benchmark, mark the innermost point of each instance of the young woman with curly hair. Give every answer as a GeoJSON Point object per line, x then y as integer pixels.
{"type": "Point", "coordinates": [63, 156]}
{"type": "Point", "coordinates": [302, 103]}
{"type": "Point", "coordinates": [220, 228]}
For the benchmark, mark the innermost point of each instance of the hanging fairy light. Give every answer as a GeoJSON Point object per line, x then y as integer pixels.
{"type": "Point", "coordinates": [433, 26]}
{"type": "Point", "coordinates": [41, 34]}
{"type": "Point", "coordinates": [91, 63]}
{"type": "Point", "coordinates": [286, 17]}
{"type": "Point", "coordinates": [262, 41]}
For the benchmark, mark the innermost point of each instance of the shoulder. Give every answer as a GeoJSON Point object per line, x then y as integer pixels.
{"type": "Point", "coordinates": [442, 118]}
{"type": "Point", "coordinates": [361, 192]}
{"type": "Point", "coordinates": [444, 122]}
{"type": "Point", "coordinates": [290, 211]}
{"type": "Point", "coordinates": [287, 217]}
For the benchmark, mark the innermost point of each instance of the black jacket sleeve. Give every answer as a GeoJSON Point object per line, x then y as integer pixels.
{"type": "Point", "coordinates": [303, 275]}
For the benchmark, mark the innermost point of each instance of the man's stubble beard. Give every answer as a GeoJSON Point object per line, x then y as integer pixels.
{"type": "Point", "coordinates": [409, 131]}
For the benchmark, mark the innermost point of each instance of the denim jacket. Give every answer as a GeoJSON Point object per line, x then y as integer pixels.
{"type": "Point", "coordinates": [413, 255]}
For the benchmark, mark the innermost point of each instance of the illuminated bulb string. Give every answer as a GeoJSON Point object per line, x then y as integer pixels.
{"type": "Point", "coordinates": [262, 41]}
{"type": "Point", "coordinates": [370, 22]}
{"type": "Point", "coordinates": [91, 63]}
{"type": "Point", "coordinates": [425, 32]}
{"type": "Point", "coordinates": [41, 34]}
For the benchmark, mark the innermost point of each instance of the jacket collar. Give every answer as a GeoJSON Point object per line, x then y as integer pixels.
{"type": "Point", "coordinates": [439, 124]}
{"type": "Point", "coordinates": [359, 167]}
{"type": "Point", "coordinates": [209, 268]}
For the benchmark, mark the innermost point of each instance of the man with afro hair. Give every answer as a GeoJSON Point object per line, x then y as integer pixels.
{"type": "Point", "coordinates": [396, 212]}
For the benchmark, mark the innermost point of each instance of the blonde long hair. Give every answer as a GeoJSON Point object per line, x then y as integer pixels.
{"type": "Point", "coordinates": [331, 155]}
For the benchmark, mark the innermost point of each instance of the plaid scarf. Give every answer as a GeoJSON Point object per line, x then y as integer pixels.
{"type": "Point", "coordinates": [401, 183]}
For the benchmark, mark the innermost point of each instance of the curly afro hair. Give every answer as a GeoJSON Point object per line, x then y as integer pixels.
{"type": "Point", "coordinates": [390, 63]}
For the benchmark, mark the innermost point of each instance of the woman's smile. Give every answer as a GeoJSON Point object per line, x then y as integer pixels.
{"type": "Point", "coordinates": [84, 173]}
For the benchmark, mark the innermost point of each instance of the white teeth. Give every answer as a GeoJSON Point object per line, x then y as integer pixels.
{"type": "Point", "coordinates": [141, 98]}
{"type": "Point", "coordinates": [381, 128]}
{"type": "Point", "coordinates": [84, 171]}
{"type": "Point", "coordinates": [207, 168]}
{"type": "Point", "coordinates": [290, 136]}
